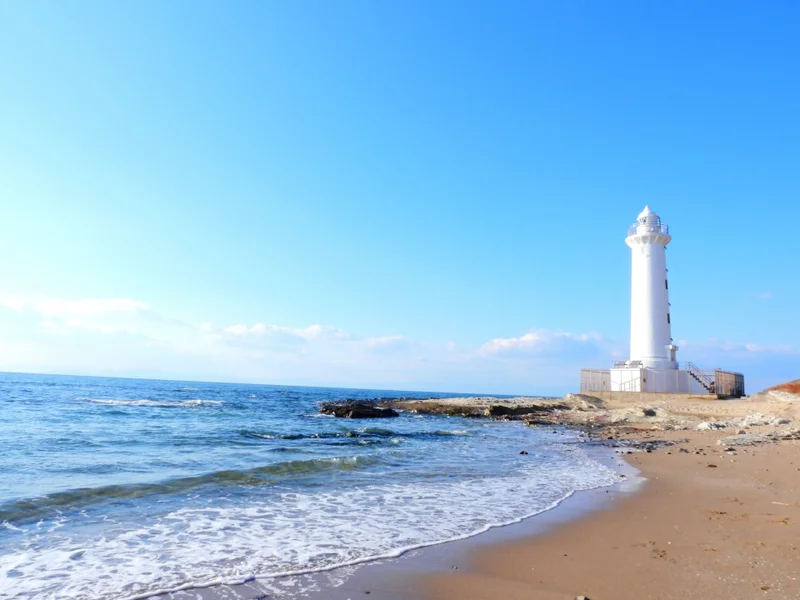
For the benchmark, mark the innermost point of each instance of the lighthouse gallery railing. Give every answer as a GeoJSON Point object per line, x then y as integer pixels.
{"type": "Point", "coordinates": [649, 228]}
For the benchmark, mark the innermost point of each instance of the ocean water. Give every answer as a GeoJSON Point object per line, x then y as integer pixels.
{"type": "Point", "coordinates": [123, 488]}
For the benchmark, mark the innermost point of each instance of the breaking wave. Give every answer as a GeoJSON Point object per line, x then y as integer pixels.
{"type": "Point", "coordinates": [46, 506]}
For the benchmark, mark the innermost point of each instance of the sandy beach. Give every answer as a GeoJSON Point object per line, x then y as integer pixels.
{"type": "Point", "coordinates": [712, 521]}
{"type": "Point", "coordinates": [716, 515]}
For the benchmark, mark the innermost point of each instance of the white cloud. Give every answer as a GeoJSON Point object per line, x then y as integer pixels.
{"type": "Point", "coordinates": [106, 315]}
{"type": "Point", "coordinates": [51, 307]}
{"type": "Point", "coordinates": [263, 330]}
{"type": "Point", "coordinates": [16, 303]}
{"type": "Point", "coordinates": [87, 307]}
{"type": "Point", "coordinates": [717, 347]}
{"type": "Point", "coordinates": [765, 296]}
{"type": "Point", "coordinates": [316, 354]}
{"type": "Point", "coordinates": [539, 340]}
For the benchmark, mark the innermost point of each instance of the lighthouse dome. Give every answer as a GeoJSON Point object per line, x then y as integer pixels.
{"type": "Point", "coordinates": [647, 216]}
{"type": "Point", "coordinates": [648, 223]}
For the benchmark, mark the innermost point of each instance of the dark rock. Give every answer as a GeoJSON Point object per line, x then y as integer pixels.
{"type": "Point", "coordinates": [544, 412]}
{"type": "Point", "coordinates": [498, 410]}
{"type": "Point", "coordinates": [523, 451]}
{"type": "Point", "coordinates": [351, 409]}
{"type": "Point", "coordinates": [649, 412]}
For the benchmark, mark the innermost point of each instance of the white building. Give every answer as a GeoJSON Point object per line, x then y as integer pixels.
{"type": "Point", "coordinates": [653, 366]}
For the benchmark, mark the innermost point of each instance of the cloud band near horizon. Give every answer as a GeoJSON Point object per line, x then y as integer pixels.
{"type": "Point", "coordinates": [128, 337]}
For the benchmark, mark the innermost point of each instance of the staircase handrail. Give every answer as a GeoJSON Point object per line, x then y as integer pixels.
{"type": "Point", "coordinates": [701, 375]}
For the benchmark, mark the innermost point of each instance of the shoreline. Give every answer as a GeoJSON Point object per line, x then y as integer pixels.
{"type": "Point", "coordinates": [392, 577]}
{"type": "Point", "coordinates": [709, 523]}
{"type": "Point", "coordinates": [399, 578]}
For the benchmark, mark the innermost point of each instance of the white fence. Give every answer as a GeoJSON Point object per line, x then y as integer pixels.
{"type": "Point", "coordinates": [722, 384]}
{"type": "Point", "coordinates": [594, 380]}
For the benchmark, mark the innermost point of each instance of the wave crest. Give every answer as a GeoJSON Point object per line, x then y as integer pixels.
{"type": "Point", "coordinates": [45, 506]}
{"type": "Point", "coordinates": [154, 403]}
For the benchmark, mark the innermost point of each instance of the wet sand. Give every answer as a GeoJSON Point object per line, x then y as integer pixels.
{"type": "Point", "coordinates": [707, 524]}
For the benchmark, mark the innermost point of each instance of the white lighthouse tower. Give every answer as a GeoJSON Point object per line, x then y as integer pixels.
{"type": "Point", "coordinates": [652, 366]}
{"type": "Point", "coordinates": [651, 326]}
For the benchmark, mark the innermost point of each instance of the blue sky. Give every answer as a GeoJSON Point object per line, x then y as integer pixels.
{"type": "Point", "coordinates": [415, 195]}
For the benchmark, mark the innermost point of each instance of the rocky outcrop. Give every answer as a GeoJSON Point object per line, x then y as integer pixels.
{"type": "Point", "coordinates": [753, 420]}
{"type": "Point", "coordinates": [499, 408]}
{"type": "Point", "coordinates": [754, 439]}
{"type": "Point", "coordinates": [352, 409]}
{"type": "Point", "coordinates": [604, 415]}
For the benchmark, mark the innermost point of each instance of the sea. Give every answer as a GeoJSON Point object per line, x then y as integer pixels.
{"type": "Point", "coordinates": [130, 488]}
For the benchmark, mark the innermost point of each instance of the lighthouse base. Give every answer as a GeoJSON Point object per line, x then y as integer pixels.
{"type": "Point", "coordinates": [671, 381]}
{"type": "Point", "coordinates": [640, 379]}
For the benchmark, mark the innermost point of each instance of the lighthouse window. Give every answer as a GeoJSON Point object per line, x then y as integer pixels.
{"type": "Point", "coordinates": [666, 284]}
{"type": "Point", "coordinates": [668, 321]}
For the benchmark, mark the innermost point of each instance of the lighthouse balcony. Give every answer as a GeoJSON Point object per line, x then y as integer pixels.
{"type": "Point", "coordinates": [648, 228]}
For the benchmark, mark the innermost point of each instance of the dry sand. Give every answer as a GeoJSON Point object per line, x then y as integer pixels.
{"type": "Point", "coordinates": [708, 524]}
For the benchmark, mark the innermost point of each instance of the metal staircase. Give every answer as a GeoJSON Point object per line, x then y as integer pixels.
{"type": "Point", "coordinates": [701, 377]}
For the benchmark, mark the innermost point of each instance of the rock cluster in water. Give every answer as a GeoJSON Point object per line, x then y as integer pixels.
{"type": "Point", "coordinates": [356, 409]}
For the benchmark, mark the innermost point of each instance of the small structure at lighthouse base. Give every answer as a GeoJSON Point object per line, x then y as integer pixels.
{"type": "Point", "coordinates": [687, 380]}
{"type": "Point", "coordinates": [653, 366]}
{"type": "Point", "coordinates": [631, 377]}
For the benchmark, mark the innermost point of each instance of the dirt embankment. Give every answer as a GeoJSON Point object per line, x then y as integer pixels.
{"type": "Point", "coordinates": [792, 387]}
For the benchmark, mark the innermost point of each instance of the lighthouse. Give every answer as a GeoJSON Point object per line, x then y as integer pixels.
{"type": "Point", "coordinates": [651, 323]}
{"type": "Point", "coordinates": [652, 366]}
